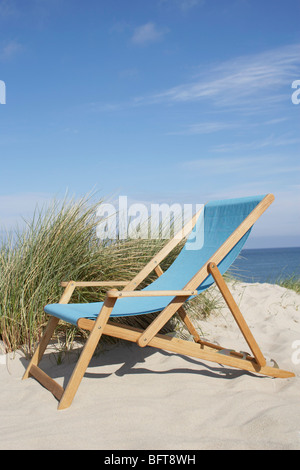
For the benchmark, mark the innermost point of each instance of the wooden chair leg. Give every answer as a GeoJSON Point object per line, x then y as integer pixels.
{"type": "Point", "coordinates": [214, 271]}
{"type": "Point", "coordinates": [52, 324]}
{"type": "Point", "coordinates": [186, 320]}
{"type": "Point", "coordinates": [86, 354]}
{"type": "Point", "coordinates": [38, 354]}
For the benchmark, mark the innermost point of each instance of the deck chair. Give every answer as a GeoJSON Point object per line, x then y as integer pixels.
{"type": "Point", "coordinates": [226, 226]}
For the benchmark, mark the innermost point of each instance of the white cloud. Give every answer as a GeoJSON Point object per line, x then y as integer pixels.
{"type": "Point", "coordinates": [256, 165]}
{"type": "Point", "coordinates": [247, 84]}
{"type": "Point", "coordinates": [204, 128]}
{"type": "Point", "coordinates": [271, 141]}
{"type": "Point", "coordinates": [147, 33]}
{"type": "Point", "coordinates": [246, 80]}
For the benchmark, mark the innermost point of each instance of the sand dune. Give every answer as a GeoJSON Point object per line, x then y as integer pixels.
{"type": "Point", "coordinates": [133, 398]}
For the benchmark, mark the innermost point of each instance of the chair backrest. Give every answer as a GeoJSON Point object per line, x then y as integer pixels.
{"type": "Point", "coordinates": [217, 222]}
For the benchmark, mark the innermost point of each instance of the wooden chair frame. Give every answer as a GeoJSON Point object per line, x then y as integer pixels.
{"type": "Point", "coordinates": [255, 363]}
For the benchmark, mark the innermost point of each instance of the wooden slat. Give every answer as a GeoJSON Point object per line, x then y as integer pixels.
{"type": "Point", "coordinates": [96, 283]}
{"type": "Point", "coordinates": [46, 381]}
{"type": "Point", "coordinates": [186, 320]}
{"type": "Point", "coordinates": [67, 293]}
{"type": "Point", "coordinates": [151, 293]}
{"type": "Point", "coordinates": [158, 270]}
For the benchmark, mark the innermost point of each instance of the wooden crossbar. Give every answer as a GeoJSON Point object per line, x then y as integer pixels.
{"type": "Point", "coordinates": [96, 283]}
{"type": "Point", "coordinates": [46, 381]}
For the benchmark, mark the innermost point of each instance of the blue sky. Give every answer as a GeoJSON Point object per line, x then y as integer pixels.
{"type": "Point", "coordinates": [178, 101]}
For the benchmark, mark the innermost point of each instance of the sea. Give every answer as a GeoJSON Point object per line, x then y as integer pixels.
{"type": "Point", "coordinates": [267, 265]}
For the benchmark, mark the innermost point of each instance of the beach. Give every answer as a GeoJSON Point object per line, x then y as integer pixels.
{"type": "Point", "coordinates": [135, 398]}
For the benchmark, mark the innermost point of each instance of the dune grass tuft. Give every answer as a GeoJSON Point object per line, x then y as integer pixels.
{"type": "Point", "coordinates": [292, 282]}
{"type": "Point", "coordinates": [60, 243]}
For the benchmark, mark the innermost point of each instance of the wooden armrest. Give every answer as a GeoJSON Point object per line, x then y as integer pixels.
{"type": "Point", "coordinates": [96, 283]}
{"type": "Point", "coordinates": [151, 293]}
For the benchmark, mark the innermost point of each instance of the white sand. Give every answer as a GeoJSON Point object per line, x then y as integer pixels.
{"type": "Point", "coordinates": [133, 398]}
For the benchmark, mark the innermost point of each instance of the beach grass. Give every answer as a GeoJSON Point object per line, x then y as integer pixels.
{"type": "Point", "coordinates": [60, 243]}
{"type": "Point", "coordinates": [292, 282]}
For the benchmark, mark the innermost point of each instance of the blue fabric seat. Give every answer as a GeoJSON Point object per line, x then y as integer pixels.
{"type": "Point", "coordinates": [217, 222]}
